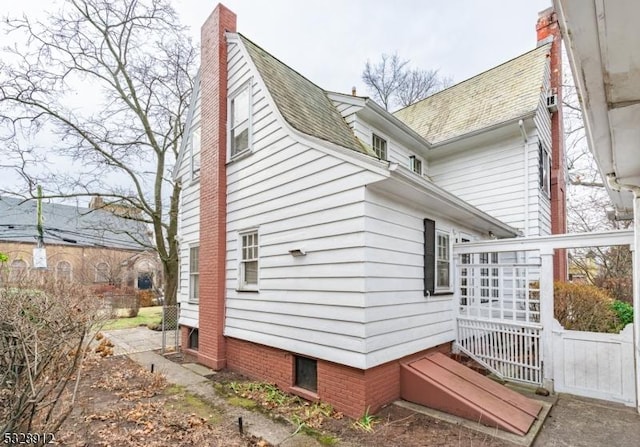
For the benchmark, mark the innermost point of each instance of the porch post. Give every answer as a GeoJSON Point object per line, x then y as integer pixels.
{"type": "Point", "coordinates": [636, 290]}
{"type": "Point", "coordinates": [456, 300]}
{"type": "Point", "coordinates": [546, 316]}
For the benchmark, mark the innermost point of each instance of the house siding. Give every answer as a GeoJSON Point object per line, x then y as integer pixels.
{"type": "Point", "coordinates": [297, 196]}
{"type": "Point", "coordinates": [400, 320]}
{"type": "Point", "coordinates": [500, 179]}
{"type": "Point", "coordinates": [189, 221]}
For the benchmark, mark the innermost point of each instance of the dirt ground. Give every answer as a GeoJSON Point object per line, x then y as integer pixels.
{"type": "Point", "coordinates": [121, 404]}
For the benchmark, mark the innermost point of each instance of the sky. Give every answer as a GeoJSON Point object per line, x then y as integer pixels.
{"type": "Point", "coordinates": [330, 41]}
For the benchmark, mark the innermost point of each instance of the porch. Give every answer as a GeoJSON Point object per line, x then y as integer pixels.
{"type": "Point", "coordinates": [505, 319]}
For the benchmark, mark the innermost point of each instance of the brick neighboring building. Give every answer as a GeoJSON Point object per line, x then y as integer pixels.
{"type": "Point", "coordinates": [86, 245]}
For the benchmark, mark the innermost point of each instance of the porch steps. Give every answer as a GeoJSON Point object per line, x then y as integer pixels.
{"type": "Point", "coordinates": [439, 382]}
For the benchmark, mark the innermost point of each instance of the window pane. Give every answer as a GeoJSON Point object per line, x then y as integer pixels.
{"type": "Point", "coordinates": [240, 108]}
{"type": "Point", "coordinates": [239, 140]}
{"type": "Point", "coordinates": [251, 272]}
{"type": "Point", "coordinates": [307, 373]}
{"type": "Point", "coordinates": [443, 274]}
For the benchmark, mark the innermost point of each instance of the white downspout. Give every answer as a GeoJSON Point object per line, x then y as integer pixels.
{"type": "Point", "coordinates": [526, 178]}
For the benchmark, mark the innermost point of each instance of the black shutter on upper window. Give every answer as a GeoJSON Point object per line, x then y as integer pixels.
{"type": "Point", "coordinates": [429, 256]}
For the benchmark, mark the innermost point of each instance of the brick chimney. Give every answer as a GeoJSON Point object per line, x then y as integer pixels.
{"type": "Point", "coordinates": [213, 186]}
{"type": "Point", "coordinates": [548, 30]}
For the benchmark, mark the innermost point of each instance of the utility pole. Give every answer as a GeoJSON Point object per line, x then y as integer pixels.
{"type": "Point", "coordinates": [39, 253]}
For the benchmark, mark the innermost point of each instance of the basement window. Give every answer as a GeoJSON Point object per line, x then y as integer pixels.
{"type": "Point", "coordinates": [193, 339]}
{"type": "Point", "coordinates": [306, 373]}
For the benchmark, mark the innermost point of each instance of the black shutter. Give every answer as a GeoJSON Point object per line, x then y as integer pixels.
{"type": "Point", "coordinates": [429, 256]}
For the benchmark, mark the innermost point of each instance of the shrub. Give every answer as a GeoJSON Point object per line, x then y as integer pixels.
{"type": "Point", "coordinates": [146, 298]}
{"type": "Point", "coordinates": [623, 311]}
{"type": "Point", "coordinates": [45, 328]}
{"type": "Point", "coordinates": [583, 307]}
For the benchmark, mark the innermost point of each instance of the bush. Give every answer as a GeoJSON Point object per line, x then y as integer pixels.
{"type": "Point", "coordinates": [583, 307]}
{"type": "Point", "coordinates": [146, 298]}
{"type": "Point", "coordinates": [623, 311]}
{"type": "Point", "coordinates": [45, 328]}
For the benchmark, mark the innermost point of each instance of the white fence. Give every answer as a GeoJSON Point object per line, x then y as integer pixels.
{"type": "Point", "coordinates": [594, 364]}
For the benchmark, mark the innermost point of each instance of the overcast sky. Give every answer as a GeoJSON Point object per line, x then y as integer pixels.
{"type": "Point", "coordinates": [329, 41]}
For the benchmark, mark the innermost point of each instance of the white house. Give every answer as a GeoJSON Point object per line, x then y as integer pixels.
{"type": "Point", "coordinates": [316, 228]}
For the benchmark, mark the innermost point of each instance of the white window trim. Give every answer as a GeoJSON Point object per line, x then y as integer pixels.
{"type": "Point", "coordinates": [387, 141]}
{"type": "Point", "coordinates": [242, 286]}
{"type": "Point", "coordinates": [248, 85]}
{"type": "Point", "coordinates": [196, 136]}
{"type": "Point", "coordinates": [545, 181]}
{"type": "Point", "coordinates": [448, 288]}
{"type": "Point", "coordinates": [190, 298]}
{"type": "Point", "coordinates": [412, 159]}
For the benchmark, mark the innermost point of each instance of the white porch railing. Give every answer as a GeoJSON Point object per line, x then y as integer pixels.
{"type": "Point", "coordinates": [504, 293]}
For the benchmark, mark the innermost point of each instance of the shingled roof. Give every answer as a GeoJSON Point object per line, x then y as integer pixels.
{"type": "Point", "coordinates": [68, 225]}
{"type": "Point", "coordinates": [501, 94]}
{"type": "Point", "coordinates": [304, 105]}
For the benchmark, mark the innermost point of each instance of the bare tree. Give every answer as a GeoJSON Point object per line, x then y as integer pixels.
{"type": "Point", "coordinates": [393, 83]}
{"type": "Point", "coordinates": [108, 83]}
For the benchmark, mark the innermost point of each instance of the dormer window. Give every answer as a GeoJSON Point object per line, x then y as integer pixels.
{"type": "Point", "coordinates": [379, 145]}
{"type": "Point", "coordinates": [415, 164]}
{"type": "Point", "coordinates": [240, 120]}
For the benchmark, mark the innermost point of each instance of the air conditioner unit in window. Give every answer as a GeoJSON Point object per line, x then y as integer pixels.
{"type": "Point", "coordinates": [552, 103]}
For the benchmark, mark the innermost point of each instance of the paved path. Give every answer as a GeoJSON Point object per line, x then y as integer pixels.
{"type": "Point", "coordinates": [140, 339]}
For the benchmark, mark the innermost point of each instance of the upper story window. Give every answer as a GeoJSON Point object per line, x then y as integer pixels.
{"type": "Point", "coordinates": [415, 164]}
{"type": "Point", "coordinates": [249, 260]}
{"type": "Point", "coordinates": [195, 153]}
{"type": "Point", "coordinates": [544, 169]}
{"type": "Point", "coordinates": [379, 145]}
{"type": "Point", "coordinates": [63, 271]}
{"type": "Point", "coordinates": [194, 274]}
{"type": "Point", "coordinates": [240, 113]}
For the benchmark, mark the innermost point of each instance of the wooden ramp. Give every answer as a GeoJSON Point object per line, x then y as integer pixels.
{"type": "Point", "coordinates": [439, 382]}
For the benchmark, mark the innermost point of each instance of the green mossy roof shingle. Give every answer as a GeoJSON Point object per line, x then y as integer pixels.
{"type": "Point", "coordinates": [501, 94]}
{"type": "Point", "coordinates": [304, 105]}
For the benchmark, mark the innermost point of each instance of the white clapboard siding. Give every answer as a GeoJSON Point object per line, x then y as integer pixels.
{"type": "Point", "coordinates": [189, 215]}
{"type": "Point", "coordinates": [542, 122]}
{"type": "Point", "coordinates": [297, 196]}
{"type": "Point", "coordinates": [400, 320]}
{"type": "Point", "coordinates": [499, 178]}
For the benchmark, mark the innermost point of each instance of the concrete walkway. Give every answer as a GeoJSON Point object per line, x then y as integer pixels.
{"type": "Point", "coordinates": [139, 344]}
{"type": "Point", "coordinates": [572, 422]}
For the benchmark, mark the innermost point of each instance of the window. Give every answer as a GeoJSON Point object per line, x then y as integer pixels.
{"type": "Point", "coordinates": [239, 111]}
{"type": "Point", "coordinates": [195, 153]}
{"type": "Point", "coordinates": [379, 147]}
{"type": "Point", "coordinates": [306, 373]}
{"type": "Point", "coordinates": [194, 274]}
{"type": "Point", "coordinates": [443, 260]}
{"type": "Point", "coordinates": [415, 164]}
{"type": "Point", "coordinates": [63, 271]}
{"type": "Point", "coordinates": [18, 270]}
{"type": "Point", "coordinates": [544, 170]}
{"type": "Point", "coordinates": [249, 260]}
{"type": "Point", "coordinates": [102, 272]}
{"type": "Point", "coordinates": [193, 339]}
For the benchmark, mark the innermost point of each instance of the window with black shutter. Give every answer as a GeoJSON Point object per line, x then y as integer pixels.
{"type": "Point", "coordinates": [429, 256]}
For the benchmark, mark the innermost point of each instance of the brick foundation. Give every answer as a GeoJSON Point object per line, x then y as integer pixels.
{"type": "Point", "coordinates": [350, 390]}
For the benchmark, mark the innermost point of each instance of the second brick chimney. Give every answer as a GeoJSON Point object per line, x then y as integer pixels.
{"type": "Point", "coordinates": [548, 30]}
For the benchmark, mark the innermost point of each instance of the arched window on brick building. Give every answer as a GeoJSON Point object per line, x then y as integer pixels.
{"type": "Point", "coordinates": [63, 271]}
